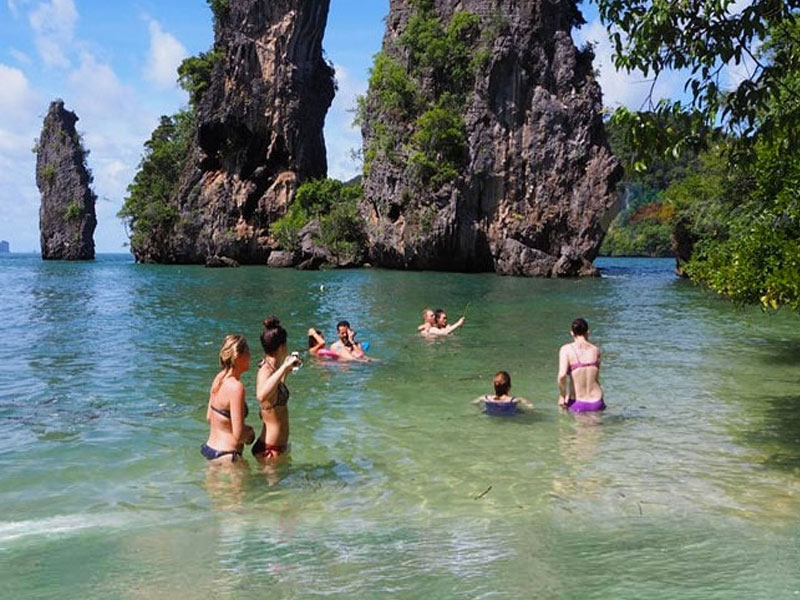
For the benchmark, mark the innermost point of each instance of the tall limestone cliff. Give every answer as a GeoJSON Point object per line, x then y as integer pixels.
{"type": "Point", "coordinates": [67, 214]}
{"type": "Point", "coordinates": [484, 145]}
{"type": "Point", "coordinates": [259, 133]}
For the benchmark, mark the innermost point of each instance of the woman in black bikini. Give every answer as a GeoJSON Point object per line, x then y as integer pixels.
{"type": "Point", "coordinates": [272, 393]}
{"type": "Point", "coordinates": [227, 408]}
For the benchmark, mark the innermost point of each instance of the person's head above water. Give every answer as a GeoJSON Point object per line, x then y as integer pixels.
{"type": "Point", "coordinates": [234, 349]}
{"type": "Point", "coordinates": [343, 330]}
{"type": "Point", "coordinates": [312, 341]}
{"type": "Point", "coordinates": [580, 328]}
{"type": "Point", "coordinates": [502, 383]}
{"type": "Point", "coordinates": [273, 337]}
{"type": "Point", "coordinates": [428, 316]}
{"type": "Point", "coordinates": [440, 318]}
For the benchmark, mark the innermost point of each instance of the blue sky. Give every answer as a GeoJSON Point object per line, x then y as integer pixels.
{"type": "Point", "coordinates": [114, 64]}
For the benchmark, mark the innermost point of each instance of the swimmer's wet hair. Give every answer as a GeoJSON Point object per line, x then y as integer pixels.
{"type": "Point", "coordinates": [425, 311]}
{"type": "Point", "coordinates": [273, 337]}
{"type": "Point", "coordinates": [580, 327]}
{"type": "Point", "coordinates": [312, 341]}
{"type": "Point", "coordinates": [502, 383]}
{"type": "Point", "coordinates": [232, 348]}
{"type": "Point", "coordinates": [342, 324]}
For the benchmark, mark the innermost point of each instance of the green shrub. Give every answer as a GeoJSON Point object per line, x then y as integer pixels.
{"type": "Point", "coordinates": [219, 7]}
{"type": "Point", "coordinates": [335, 205]}
{"type": "Point", "coordinates": [149, 210]}
{"type": "Point", "coordinates": [443, 59]}
{"type": "Point", "coordinates": [194, 74]}
{"type": "Point", "coordinates": [49, 173]}
{"type": "Point", "coordinates": [286, 230]}
{"type": "Point", "coordinates": [342, 232]}
{"type": "Point", "coordinates": [74, 211]}
{"type": "Point", "coordinates": [439, 145]}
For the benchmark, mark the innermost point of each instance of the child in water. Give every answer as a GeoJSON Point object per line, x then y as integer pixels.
{"type": "Point", "coordinates": [502, 403]}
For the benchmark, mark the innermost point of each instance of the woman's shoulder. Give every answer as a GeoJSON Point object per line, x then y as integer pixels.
{"type": "Point", "coordinates": [232, 385]}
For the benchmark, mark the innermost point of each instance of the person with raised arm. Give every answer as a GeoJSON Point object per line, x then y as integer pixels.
{"type": "Point", "coordinates": [346, 346]}
{"type": "Point", "coordinates": [440, 326]}
{"type": "Point", "coordinates": [428, 321]}
{"type": "Point", "coordinates": [272, 393]}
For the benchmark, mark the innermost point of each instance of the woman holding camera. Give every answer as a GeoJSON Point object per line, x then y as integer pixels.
{"type": "Point", "coordinates": [272, 393]}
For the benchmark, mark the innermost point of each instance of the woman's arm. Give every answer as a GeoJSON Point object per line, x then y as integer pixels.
{"type": "Point", "coordinates": [454, 326]}
{"type": "Point", "coordinates": [525, 403]}
{"type": "Point", "coordinates": [320, 342]}
{"type": "Point", "coordinates": [563, 365]}
{"type": "Point", "coordinates": [265, 387]}
{"type": "Point", "coordinates": [237, 414]}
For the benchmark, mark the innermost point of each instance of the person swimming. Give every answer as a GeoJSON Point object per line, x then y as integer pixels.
{"type": "Point", "coordinates": [428, 320]}
{"type": "Point", "coordinates": [440, 326]}
{"type": "Point", "coordinates": [346, 346]}
{"type": "Point", "coordinates": [272, 393]}
{"type": "Point", "coordinates": [502, 403]}
{"type": "Point", "coordinates": [316, 341]}
{"type": "Point", "coordinates": [227, 409]}
{"type": "Point", "coordinates": [579, 362]}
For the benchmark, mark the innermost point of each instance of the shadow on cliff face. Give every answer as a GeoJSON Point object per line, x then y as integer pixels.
{"type": "Point", "coordinates": [778, 433]}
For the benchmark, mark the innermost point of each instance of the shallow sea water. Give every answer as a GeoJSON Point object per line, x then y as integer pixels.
{"type": "Point", "coordinates": [397, 487]}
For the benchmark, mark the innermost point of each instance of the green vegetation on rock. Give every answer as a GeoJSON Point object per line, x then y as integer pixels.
{"type": "Point", "coordinates": [74, 211]}
{"type": "Point", "coordinates": [148, 209]}
{"type": "Point", "coordinates": [194, 74]}
{"type": "Point", "coordinates": [334, 205]}
{"type": "Point", "coordinates": [219, 7]}
{"type": "Point", "coordinates": [423, 101]}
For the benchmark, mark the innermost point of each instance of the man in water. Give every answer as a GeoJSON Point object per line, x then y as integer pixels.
{"type": "Point", "coordinates": [440, 326]}
{"type": "Point", "coordinates": [346, 347]}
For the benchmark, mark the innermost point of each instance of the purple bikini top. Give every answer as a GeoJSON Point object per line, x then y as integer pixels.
{"type": "Point", "coordinates": [580, 365]}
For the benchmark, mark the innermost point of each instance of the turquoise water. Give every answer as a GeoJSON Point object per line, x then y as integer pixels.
{"type": "Point", "coordinates": [687, 487]}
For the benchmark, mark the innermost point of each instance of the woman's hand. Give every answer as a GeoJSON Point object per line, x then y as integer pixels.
{"type": "Point", "coordinates": [290, 362]}
{"type": "Point", "coordinates": [248, 435]}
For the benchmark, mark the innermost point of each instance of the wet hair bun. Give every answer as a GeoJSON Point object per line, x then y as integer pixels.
{"type": "Point", "coordinates": [272, 323]}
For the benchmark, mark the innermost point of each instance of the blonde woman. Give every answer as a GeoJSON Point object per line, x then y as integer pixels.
{"type": "Point", "coordinates": [227, 408]}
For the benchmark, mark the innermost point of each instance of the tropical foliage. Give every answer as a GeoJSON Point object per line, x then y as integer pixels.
{"type": "Point", "coordinates": [147, 210]}
{"type": "Point", "coordinates": [739, 203]}
{"type": "Point", "coordinates": [334, 205]}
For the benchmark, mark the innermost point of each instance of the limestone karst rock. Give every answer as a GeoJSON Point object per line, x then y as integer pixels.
{"type": "Point", "coordinates": [67, 214]}
{"type": "Point", "coordinates": [527, 186]}
{"type": "Point", "coordinates": [259, 132]}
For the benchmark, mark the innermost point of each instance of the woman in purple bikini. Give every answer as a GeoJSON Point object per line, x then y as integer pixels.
{"type": "Point", "coordinates": [580, 361]}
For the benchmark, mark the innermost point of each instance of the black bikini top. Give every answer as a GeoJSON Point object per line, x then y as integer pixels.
{"type": "Point", "coordinates": [227, 413]}
{"type": "Point", "coordinates": [282, 391]}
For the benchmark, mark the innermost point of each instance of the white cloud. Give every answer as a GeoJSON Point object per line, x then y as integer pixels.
{"type": "Point", "coordinates": [16, 96]}
{"type": "Point", "coordinates": [165, 54]}
{"type": "Point", "coordinates": [19, 105]}
{"type": "Point", "coordinates": [20, 56]}
{"type": "Point", "coordinates": [340, 135]}
{"type": "Point", "coordinates": [621, 88]}
{"type": "Point", "coordinates": [53, 23]}
{"type": "Point", "coordinates": [15, 5]}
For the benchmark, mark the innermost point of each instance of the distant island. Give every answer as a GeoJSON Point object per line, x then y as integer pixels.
{"type": "Point", "coordinates": [5, 248]}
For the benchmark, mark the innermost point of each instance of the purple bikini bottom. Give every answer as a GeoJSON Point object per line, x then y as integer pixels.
{"type": "Point", "coordinates": [585, 405]}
